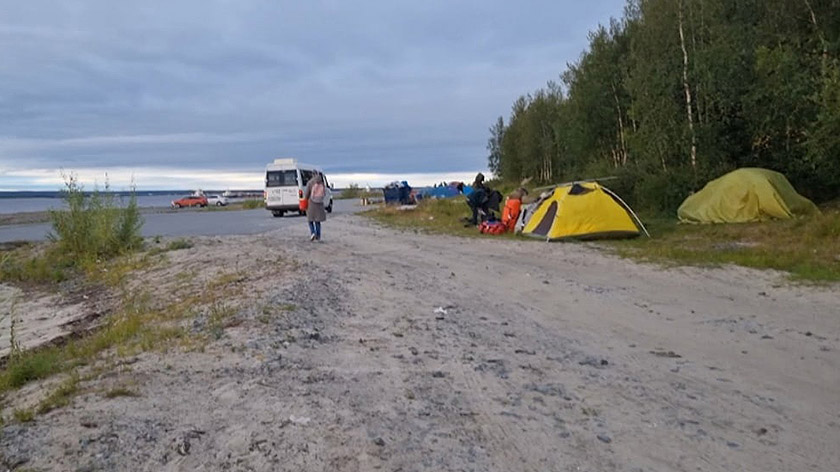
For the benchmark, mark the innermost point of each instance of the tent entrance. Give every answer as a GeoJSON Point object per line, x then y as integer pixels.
{"type": "Point", "coordinates": [547, 221]}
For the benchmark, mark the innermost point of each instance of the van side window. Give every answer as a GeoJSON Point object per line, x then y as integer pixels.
{"type": "Point", "coordinates": [306, 174]}
{"type": "Point", "coordinates": [281, 178]}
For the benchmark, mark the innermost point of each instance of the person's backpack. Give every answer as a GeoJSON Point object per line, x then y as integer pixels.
{"type": "Point", "coordinates": [318, 192]}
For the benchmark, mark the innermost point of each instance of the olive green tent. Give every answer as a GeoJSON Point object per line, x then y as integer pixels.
{"type": "Point", "coordinates": [745, 195]}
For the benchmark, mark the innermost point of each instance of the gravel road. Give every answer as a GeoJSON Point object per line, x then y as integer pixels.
{"type": "Point", "coordinates": [413, 352]}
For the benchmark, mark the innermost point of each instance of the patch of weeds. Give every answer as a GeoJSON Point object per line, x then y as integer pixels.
{"type": "Point", "coordinates": [33, 264]}
{"type": "Point", "coordinates": [253, 204]}
{"type": "Point", "coordinates": [226, 279]}
{"type": "Point", "coordinates": [179, 244]}
{"type": "Point", "coordinates": [61, 396]}
{"type": "Point", "coordinates": [185, 276]}
{"type": "Point", "coordinates": [28, 366]}
{"type": "Point", "coordinates": [23, 415]}
{"type": "Point", "coordinates": [217, 319]}
{"type": "Point", "coordinates": [114, 272]}
{"type": "Point", "coordinates": [121, 392]}
{"type": "Point", "coordinates": [588, 411]}
{"type": "Point", "coordinates": [135, 328]}
{"type": "Point", "coordinates": [268, 311]}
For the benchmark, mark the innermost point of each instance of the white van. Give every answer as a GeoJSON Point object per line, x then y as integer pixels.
{"type": "Point", "coordinates": [285, 180]}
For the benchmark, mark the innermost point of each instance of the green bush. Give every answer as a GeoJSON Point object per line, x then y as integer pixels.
{"type": "Point", "coordinates": [252, 204]}
{"type": "Point", "coordinates": [352, 191]}
{"type": "Point", "coordinates": [94, 225]}
{"type": "Point", "coordinates": [662, 193]}
{"type": "Point", "coordinates": [23, 368]}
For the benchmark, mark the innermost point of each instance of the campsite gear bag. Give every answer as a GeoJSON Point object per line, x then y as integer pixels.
{"type": "Point", "coordinates": [318, 192]}
{"type": "Point", "coordinates": [304, 204]}
{"type": "Point", "coordinates": [492, 227]}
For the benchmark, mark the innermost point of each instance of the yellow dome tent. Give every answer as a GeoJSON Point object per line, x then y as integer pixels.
{"type": "Point", "coordinates": [582, 210]}
{"type": "Point", "coordinates": [745, 195]}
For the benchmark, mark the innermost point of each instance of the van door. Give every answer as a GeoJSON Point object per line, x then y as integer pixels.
{"type": "Point", "coordinates": [281, 188]}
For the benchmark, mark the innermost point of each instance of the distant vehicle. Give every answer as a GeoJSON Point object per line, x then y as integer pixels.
{"type": "Point", "coordinates": [217, 200]}
{"type": "Point", "coordinates": [190, 201]}
{"type": "Point", "coordinates": [285, 180]}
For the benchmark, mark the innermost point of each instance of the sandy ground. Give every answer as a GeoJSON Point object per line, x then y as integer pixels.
{"type": "Point", "coordinates": [399, 351]}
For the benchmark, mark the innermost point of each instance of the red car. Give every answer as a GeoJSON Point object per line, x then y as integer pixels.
{"type": "Point", "coordinates": [190, 201]}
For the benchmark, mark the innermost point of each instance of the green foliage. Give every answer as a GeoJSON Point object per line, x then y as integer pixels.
{"type": "Point", "coordinates": [22, 266]}
{"type": "Point", "coordinates": [93, 225]}
{"type": "Point", "coordinates": [179, 244]}
{"type": "Point", "coordinates": [61, 396]}
{"type": "Point", "coordinates": [763, 79]}
{"type": "Point", "coordinates": [121, 392]}
{"type": "Point", "coordinates": [252, 204]}
{"type": "Point", "coordinates": [355, 191]}
{"type": "Point", "coordinates": [808, 249]}
{"type": "Point", "coordinates": [28, 366]}
{"type": "Point", "coordinates": [352, 191]}
{"type": "Point", "coordinates": [24, 416]}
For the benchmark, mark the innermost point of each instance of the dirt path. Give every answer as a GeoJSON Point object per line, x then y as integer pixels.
{"type": "Point", "coordinates": [403, 351]}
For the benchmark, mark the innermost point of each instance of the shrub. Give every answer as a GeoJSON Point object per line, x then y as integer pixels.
{"type": "Point", "coordinates": [252, 204]}
{"type": "Point", "coordinates": [352, 191]}
{"type": "Point", "coordinates": [179, 244]}
{"type": "Point", "coordinates": [94, 225]}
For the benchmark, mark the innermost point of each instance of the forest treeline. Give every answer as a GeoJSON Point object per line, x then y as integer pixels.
{"type": "Point", "coordinates": [677, 92]}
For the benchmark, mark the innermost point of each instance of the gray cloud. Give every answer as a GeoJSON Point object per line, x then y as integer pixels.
{"type": "Point", "coordinates": [360, 86]}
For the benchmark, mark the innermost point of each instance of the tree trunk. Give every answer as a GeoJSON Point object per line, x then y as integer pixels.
{"type": "Point", "coordinates": [821, 37]}
{"type": "Point", "coordinates": [687, 92]}
{"type": "Point", "coordinates": [620, 127]}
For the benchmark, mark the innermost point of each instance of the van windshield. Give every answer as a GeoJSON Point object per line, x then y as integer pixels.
{"type": "Point", "coordinates": [281, 178]}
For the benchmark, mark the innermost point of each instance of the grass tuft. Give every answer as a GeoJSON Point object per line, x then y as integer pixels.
{"type": "Point", "coordinates": [121, 392]}
{"type": "Point", "coordinates": [253, 204]}
{"type": "Point", "coordinates": [179, 244]}
{"type": "Point", "coordinates": [61, 396]}
{"type": "Point", "coordinates": [28, 366]}
{"type": "Point", "coordinates": [24, 415]}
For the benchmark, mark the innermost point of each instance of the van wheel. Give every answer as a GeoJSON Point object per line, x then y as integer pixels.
{"type": "Point", "coordinates": [329, 208]}
{"type": "Point", "coordinates": [218, 204]}
{"type": "Point", "coordinates": [277, 214]}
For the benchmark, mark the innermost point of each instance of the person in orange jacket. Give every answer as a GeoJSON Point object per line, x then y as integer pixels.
{"type": "Point", "coordinates": [513, 206]}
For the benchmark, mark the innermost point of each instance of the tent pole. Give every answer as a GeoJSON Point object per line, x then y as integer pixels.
{"type": "Point", "coordinates": [627, 207]}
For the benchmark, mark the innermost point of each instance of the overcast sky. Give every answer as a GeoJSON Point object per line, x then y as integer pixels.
{"type": "Point", "coordinates": [206, 92]}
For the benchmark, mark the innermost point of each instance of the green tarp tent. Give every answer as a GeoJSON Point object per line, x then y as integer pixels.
{"type": "Point", "coordinates": [745, 195]}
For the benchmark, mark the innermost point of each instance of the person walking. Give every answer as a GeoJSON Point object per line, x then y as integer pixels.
{"type": "Point", "coordinates": [315, 192]}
